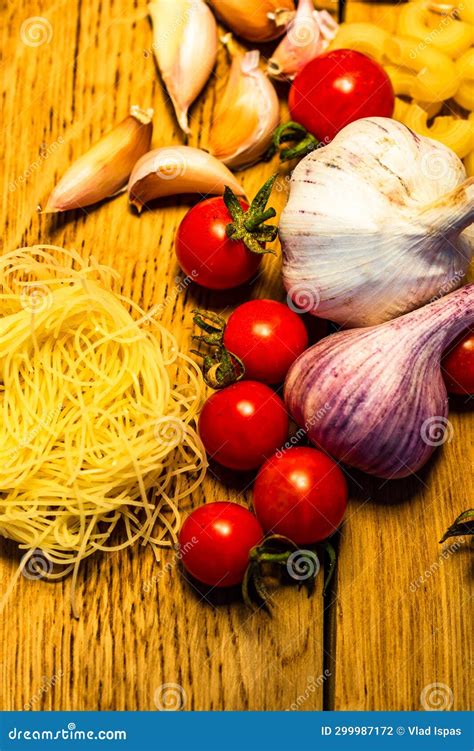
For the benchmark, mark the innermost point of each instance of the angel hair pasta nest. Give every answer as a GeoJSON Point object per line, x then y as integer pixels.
{"type": "Point", "coordinates": [96, 435]}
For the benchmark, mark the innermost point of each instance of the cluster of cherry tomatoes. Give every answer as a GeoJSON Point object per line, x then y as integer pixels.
{"type": "Point", "coordinates": [299, 493]}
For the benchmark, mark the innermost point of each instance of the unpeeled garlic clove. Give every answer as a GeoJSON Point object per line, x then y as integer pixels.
{"type": "Point", "coordinates": [185, 48]}
{"type": "Point", "coordinates": [106, 167]}
{"type": "Point", "coordinates": [308, 35]}
{"type": "Point", "coordinates": [255, 21]}
{"type": "Point", "coordinates": [178, 169]}
{"type": "Point", "coordinates": [247, 114]}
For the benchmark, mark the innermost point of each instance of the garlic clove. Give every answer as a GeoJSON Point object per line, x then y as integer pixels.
{"type": "Point", "coordinates": [247, 113]}
{"type": "Point", "coordinates": [255, 21]}
{"type": "Point", "coordinates": [453, 212]}
{"type": "Point", "coordinates": [106, 167]}
{"type": "Point", "coordinates": [172, 170]}
{"type": "Point", "coordinates": [185, 48]}
{"type": "Point", "coordinates": [361, 243]}
{"type": "Point", "coordinates": [308, 35]}
{"type": "Point", "coordinates": [388, 402]}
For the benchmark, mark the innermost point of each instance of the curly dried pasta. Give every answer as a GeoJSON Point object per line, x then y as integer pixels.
{"type": "Point", "coordinates": [403, 81]}
{"type": "Point", "coordinates": [465, 11]}
{"type": "Point", "coordinates": [363, 37]}
{"type": "Point", "coordinates": [448, 34]}
{"type": "Point", "coordinates": [453, 132]}
{"type": "Point", "coordinates": [436, 77]}
{"type": "Point", "coordinates": [465, 71]}
{"type": "Point", "coordinates": [401, 107]}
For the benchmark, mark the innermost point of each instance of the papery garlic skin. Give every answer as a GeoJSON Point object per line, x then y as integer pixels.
{"type": "Point", "coordinates": [246, 115]}
{"type": "Point", "coordinates": [173, 170]}
{"type": "Point", "coordinates": [105, 168]}
{"type": "Point", "coordinates": [185, 48]}
{"type": "Point", "coordinates": [388, 404]}
{"type": "Point", "coordinates": [377, 224]}
{"type": "Point", "coordinates": [255, 20]}
{"type": "Point", "coordinates": [308, 35]}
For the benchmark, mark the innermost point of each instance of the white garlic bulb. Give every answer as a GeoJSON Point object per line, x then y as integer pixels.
{"type": "Point", "coordinates": [377, 224]}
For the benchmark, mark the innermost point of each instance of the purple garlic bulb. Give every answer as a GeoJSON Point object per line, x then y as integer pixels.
{"type": "Point", "coordinates": [374, 398]}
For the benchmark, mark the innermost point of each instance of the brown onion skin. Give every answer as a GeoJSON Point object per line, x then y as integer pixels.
{"type": "Point", "coordinates": [255, 26]}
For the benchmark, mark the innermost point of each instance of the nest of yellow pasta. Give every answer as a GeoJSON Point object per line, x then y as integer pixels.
{"type": "Point", "coordinates": [97, 442]}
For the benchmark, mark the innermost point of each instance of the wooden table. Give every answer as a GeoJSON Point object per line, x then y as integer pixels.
{"type": "Point", "coordinates": [397, 619]}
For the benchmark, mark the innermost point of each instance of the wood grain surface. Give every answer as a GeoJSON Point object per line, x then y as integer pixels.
{"type": "Point", "coordinates": [397, 620]}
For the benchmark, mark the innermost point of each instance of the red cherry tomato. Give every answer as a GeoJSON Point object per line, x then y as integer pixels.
{"type": "Point", "coordinates": [301, 494]}
{"type": "Point", "coordinates": [243, 424]}
{"type": "Point", "coordinates": [215, 542]}
{"type": "Point", "coordinates": [337, 88]}
{"type": "Point", "coordinates": [458, 365]}
{"type": "Point", "coordinates": [267, 336]}
{"type": "Point", "coordinates": [206, 254]}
